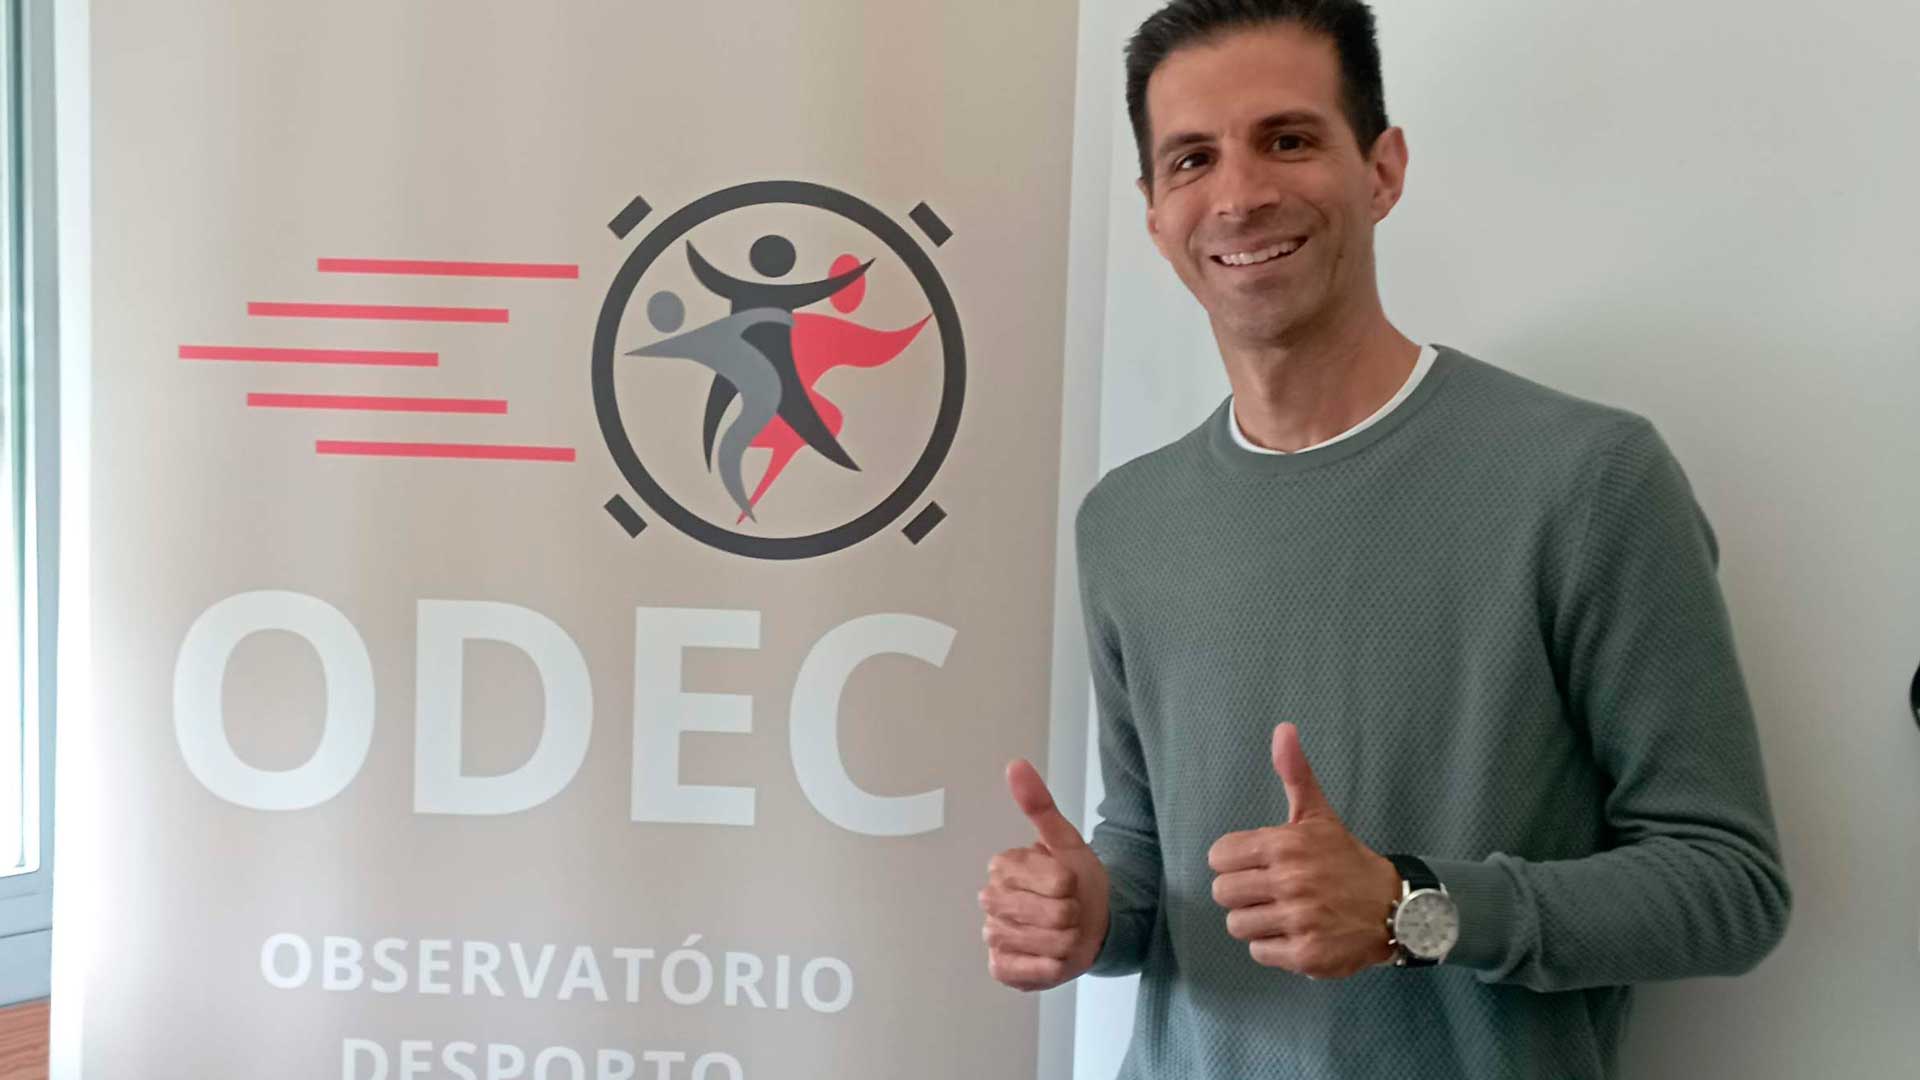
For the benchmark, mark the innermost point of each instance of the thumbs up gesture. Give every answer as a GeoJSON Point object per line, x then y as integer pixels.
{"type": "Point", "coordinates": [1045, 904]}
{"type": "Point", "coordinates": [1308, 896]}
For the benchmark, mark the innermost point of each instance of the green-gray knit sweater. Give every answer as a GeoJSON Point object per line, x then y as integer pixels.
{"type": "Point", "coordinates": [1494, 616]}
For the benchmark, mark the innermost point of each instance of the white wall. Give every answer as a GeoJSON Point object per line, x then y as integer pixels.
{"type": "Point", "coordinates": [1704, 212]}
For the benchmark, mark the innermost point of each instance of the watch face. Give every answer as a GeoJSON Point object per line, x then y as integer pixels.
{"type": "Point", "coordinates": [1428, 924]}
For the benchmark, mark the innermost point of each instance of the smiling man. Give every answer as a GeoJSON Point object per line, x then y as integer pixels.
{"type": "Point", "coordinates": [1423, 732]}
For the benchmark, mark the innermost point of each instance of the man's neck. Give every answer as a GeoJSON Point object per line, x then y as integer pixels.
{"type": "Point", "coordinates": [1297, 394]}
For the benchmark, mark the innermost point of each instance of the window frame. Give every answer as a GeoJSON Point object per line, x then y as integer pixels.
{"type": "Point", "coordinates": [26, 900]}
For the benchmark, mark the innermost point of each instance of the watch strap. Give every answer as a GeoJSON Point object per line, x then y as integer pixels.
{"type": "Point", "coordinates": [1415, 872]}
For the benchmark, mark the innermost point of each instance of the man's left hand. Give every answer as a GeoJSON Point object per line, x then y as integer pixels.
{"type": "Point", "coordinates": [1308, 896]}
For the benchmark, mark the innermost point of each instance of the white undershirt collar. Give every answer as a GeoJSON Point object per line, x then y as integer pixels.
{"type": "Point", "coordinates": [1420, 369]}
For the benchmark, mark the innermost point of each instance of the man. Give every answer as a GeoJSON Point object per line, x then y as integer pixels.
{"type": "Point", "coordinates": [1420, 719]}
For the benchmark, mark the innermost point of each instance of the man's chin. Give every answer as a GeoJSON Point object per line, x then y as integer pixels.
{"type": "Point", "coordinates": [1264, 323]}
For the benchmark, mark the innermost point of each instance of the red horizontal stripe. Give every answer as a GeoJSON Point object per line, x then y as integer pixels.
{"type": "Point", "coordinates": [437, 268]}
{"type": "Point", "coordinates": [446, 450]}
{"type": "Point", "coordinates": [376, 404]}
{"type": "Point", "coordinates": [378, 311]}
{"type": "Point", "coordinates": [309, 356]}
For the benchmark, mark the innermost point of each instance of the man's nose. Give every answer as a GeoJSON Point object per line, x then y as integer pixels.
{"type": "Point", "coordinates": [1242, 186]}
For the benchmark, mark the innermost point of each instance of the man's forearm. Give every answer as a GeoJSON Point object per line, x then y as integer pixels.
{"type": "Point", "coordinates": [1665, 907]}
{"type": "Point", "coordinates": [1133, 897]}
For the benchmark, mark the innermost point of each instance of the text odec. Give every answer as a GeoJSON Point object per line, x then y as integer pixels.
{"type": "Point", "coordinates": [661, 710]}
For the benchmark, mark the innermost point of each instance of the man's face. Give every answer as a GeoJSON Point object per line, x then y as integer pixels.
{"type": "Point", "coordinates": [1261, 197]}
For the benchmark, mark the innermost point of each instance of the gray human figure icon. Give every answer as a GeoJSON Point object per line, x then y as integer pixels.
{"type": "Point", "coordinates": [722, 347]}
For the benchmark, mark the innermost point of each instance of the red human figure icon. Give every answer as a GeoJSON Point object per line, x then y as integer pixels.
{"type": "Point", "coordinates": [820, 344]}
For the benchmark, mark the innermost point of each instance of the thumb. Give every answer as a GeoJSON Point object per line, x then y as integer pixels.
{"type": "Point", "coordinates": [1304, 797]}
{"type": "Point", "coordinates": [1031, 795]}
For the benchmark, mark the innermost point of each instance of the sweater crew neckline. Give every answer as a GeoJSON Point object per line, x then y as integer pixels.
{"type": "Point", "coordinates": [1225, 451]}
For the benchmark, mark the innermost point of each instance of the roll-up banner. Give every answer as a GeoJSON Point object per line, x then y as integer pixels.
{"type": "Point", "coordinates": [573, 521]}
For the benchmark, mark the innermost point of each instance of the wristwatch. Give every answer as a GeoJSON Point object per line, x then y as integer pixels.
{"type": "Point", "coordinates": [1424, 923]}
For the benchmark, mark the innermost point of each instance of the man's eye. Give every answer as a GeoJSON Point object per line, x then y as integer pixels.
{"type": "Point", "coordinates": [1299, 142]}
{"type": "Point", "coordinates": [1189, 161]}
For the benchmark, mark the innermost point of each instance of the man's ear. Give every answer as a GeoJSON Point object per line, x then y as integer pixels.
{"type": "Point", "coordinates": [1146, 192]}
{"type": "Point", "coordinates": [1387, 167]}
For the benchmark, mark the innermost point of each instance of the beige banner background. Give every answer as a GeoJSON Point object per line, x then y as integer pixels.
{"type": "Point", "coordinates": [237, 143]}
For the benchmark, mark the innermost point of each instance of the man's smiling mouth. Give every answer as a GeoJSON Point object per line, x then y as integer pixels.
{"type": "Point", "coordinates": [1257, 256]}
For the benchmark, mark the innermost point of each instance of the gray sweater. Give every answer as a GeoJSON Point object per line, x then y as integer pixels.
{"type": "Point", "coordinates": [1495, 618]}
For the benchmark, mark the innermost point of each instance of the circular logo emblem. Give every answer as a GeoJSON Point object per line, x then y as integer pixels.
{"type": "Point", "coordinates": [763, 358]}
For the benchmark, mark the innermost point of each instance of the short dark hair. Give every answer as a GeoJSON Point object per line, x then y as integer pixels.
{"type": "Point", "coordinates": [1349, 23]}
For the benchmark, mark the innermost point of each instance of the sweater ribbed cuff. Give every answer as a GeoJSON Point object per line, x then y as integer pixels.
{"type": "Point", "coordinates": [1125, 947]}
{"type": "Point", "coordinates": [1483, 893]}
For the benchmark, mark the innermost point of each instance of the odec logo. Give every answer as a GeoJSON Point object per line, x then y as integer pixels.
{"type": "Point", "coordinates": [780, 319]}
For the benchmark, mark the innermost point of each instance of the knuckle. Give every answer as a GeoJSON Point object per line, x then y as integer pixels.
{"type": "Point", "coordinates": [1285, 919]}
{"type": "Point", "coordinates": [1067, 914]}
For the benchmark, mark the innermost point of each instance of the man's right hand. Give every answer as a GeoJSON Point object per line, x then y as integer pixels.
{"type": "Point", "coordinates": [1046, 905]}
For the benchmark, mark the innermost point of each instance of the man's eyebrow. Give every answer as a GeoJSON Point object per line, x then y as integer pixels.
{"type": "Point", "coordinates": [1177, 141]}
{"type": "Point", "coordinates": [1294, 118]}
{"type": "Point", "coordinates": [1306, 118]}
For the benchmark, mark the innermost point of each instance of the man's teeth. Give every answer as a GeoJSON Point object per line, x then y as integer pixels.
{"type": "Point", "coordinates": [1250, 258]}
